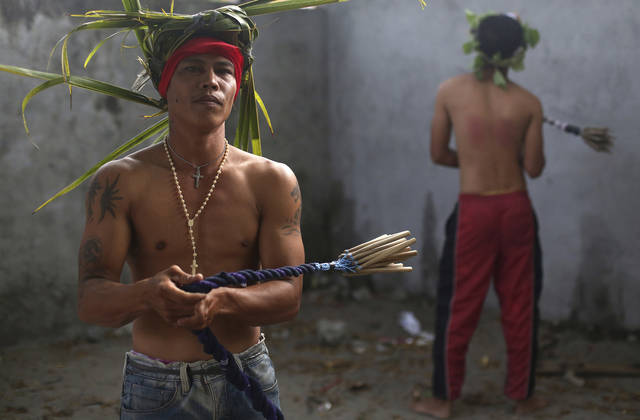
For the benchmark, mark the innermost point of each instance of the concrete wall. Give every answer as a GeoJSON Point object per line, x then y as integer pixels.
{"type": "Point", "coordinates": [390, 56]}
{"type": "Point", "coordinates": [38, 264]}
{"type": "Point", "coordinates": [350, 89]}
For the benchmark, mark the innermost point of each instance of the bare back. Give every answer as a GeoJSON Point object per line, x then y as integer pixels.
{"type": "Point", "coordinates": [498, 133]}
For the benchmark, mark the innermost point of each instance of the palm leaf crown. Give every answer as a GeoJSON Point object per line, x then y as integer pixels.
{"type": "Point", "coordinates": [162, 34]}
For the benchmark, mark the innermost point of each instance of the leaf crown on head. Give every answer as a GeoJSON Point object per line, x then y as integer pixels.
{"type": "Point", "coordinates": [160, 34]}
{"type": "Point", "coordinates": [530, 38]}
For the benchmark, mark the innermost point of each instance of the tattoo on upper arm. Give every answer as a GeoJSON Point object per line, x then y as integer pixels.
{"type": "Point", "coordinates": [292, 227]}
{"type": "Point", "coordinates": [109, 197]}
{"type": "Point", "coordinates": [91, 195]}
{"type": "Point", "coordinates": [295, 193]}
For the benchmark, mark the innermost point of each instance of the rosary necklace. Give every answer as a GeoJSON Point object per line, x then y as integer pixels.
{"type": "Point", "coordinates": [191, 220]}
{"type": "Point", "coordinates": [196, 175]}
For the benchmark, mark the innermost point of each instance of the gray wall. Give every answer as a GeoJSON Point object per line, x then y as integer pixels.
{"type": "Point", "coordinates": [390, 56]}
{"type": "Point", "coordinates": [38, 264]}
{"type": "Point", "coordinates": [350, 89]}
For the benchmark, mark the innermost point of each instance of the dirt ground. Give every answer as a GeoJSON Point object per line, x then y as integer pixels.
{"type": "Point", "coordinates": [371, 370]}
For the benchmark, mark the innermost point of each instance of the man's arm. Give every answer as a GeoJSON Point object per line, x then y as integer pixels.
{"type": "Point", "coordinates": [102, 299]}
{"type": "Point", "coordinates": [280, 244]}
{"type": "Point", "coordinates": [441, 152]}
{"type": "Point", "coordinates": [533, 154]}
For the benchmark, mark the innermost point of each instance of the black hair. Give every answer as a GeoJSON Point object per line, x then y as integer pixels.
{"type": "Point", "coordinates": [499, 34]}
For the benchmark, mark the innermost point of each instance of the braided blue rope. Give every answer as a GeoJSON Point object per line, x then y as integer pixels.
{"type": "Point", "coordinates": [212, 346]}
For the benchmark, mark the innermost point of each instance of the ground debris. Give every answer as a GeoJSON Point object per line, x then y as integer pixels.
{"type": "Point", "coordinates": [480, 399]}
{"type": "Point", "coordinates": [318, 404]}
{"type": "Point", "coordinates": [19, 384]}
{"type": "Point", "coordinates": [553, 368]}
{"type": "Point", "coordinates": [54, 413]}
{"type": "Point", "coordinates": [16, 410]}
{"type": "Point", "coordinates": [331, 332]}
{"type": "Point", "coordinates": [358, 386]}
{"type": "Point", "coordinates": [337, 364]}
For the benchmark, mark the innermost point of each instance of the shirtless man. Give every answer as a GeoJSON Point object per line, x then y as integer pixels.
{"type": "Point", "coordinates": [492, 231]}
{"type": "Point", "coordinates": [250, 219]}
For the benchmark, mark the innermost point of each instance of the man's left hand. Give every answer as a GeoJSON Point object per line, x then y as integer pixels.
{"type": "Point", "coordinates": [203, 313]}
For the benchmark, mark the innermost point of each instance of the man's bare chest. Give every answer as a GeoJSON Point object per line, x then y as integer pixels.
{"type": "Point", "coordinates": [224, 229]}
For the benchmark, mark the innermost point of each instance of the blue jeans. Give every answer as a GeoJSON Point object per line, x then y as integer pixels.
{"type": "Point", "coordinates": [155, 390]}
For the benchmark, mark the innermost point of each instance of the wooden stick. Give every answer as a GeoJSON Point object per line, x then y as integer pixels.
{"type": "Point", "coordinates": [363, 255]}
{"type": "Point", "coordinates": [385, 266]}
{"type": "Point", "coordinates": [402, 269]}
{"type": "Point", "coordinates": [399, 257]}
{"type": "Point", "coordinates": [391, 258]}
{"type": "Point", "coordinates": [381, 239]}
{"type": "Point", "coordinates": [357, 247]}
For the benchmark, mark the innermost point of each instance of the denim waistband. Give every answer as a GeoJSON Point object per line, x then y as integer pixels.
{"type": "Point", "coordinates": [142, 361]}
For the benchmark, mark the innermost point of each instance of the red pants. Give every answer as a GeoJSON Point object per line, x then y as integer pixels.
{"type": "Point", "coordinates": [488, 237]}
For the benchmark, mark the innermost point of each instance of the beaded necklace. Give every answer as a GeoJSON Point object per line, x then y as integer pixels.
{"type": "Point", "coordinates": [191, 220]}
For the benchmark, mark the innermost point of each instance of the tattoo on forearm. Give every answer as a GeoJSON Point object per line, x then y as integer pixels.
{"type": "Point", "coordinates": [91, 195]}
{"type": "Point", "coordinates": [109, 197]}
{"type": "Point", "coordinates": [90, 255]}
{"type": "Point", "coordinates": [292, 227]}
{"type": "Point", "coordinates": [89, 260]}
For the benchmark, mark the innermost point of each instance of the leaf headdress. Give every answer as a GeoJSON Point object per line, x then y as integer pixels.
{"type": "Point", "coordinates": [159, 34]}
{"type": "Point", "coordinates": [598, 138]}
{"type": "Point", "coordinates": [516, 61]}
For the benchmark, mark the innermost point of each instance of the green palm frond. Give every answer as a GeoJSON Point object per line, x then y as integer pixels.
{"type": "Point", "coordinates": [53, 79]}
{"type": "Point", "coordinates": [86, 83]}
{"type": "Point", "coordinates": [100, 44]}
{"type": "Point", "coordinates": [158, 129]}
{"type": "Point", "coordinates": [159, 34]}
{"type": "Point", "coordinates": [35, 91]}
{"type": "Point", "coordinates": [264, 111]}
{"type": "Point", "coordinates": [263, 7]}
{"type": "Point", "coordinates": [134, 6]}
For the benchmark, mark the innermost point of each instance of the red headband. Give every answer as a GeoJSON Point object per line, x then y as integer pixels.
{"type": "Point", "coordinates": [201, 45]}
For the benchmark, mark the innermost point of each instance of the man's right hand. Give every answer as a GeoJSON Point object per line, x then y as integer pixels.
{"type": "Point", "coordinates": [167, 299]}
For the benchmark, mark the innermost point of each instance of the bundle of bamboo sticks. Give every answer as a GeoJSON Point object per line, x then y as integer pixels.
{"type": "Point", "coordinates": [598, 138]}
{"type": "Point", "coordinates": [383, 254]}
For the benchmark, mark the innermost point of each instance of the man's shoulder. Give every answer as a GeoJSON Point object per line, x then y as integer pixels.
{"type": "Point", "coordinates": [261, 172]}
{"type": "Point", "coordinates": [523, 92]}
{"type": "Point", "coordinates": [131, 167]}
{"type": "Point", "coordinates": [451, 87]}
{"type": "Point", "coordinates": [455, 81]}
{"type": "Point", "coordinates": [260, 165]}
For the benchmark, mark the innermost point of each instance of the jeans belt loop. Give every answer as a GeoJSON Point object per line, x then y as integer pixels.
{"type": "Point", "coordinates": [238, 362]}
{"type": "Point", "coordinates": [185, 381]}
